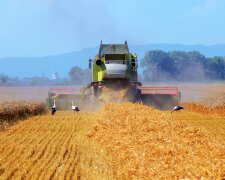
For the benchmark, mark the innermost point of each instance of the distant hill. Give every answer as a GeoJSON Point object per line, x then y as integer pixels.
{"type": "Point", "coordinates": [39, 66]}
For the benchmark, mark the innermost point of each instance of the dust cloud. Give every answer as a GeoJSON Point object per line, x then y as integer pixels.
{"type": "Point", "coordinates": [23, 93]}
{"type": "Point", "coordinates": [113, 95]}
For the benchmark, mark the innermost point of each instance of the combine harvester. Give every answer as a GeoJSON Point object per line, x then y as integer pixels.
{"type": "Point", "coordinates": [115, 68]}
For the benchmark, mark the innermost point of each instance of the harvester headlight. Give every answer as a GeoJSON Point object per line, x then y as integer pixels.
{"type": "Point", "coordinates": [99, 62]}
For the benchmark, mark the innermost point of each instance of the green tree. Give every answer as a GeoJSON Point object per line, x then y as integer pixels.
{"type": "Point", "coordinates": [215, 68]}
{"type": "Point", "coordinates": [4, 78]}
{"type": "Point", "coordinates": [180, 66]}
{"type": "Point", "coordinates": [158, 66]}
{"type": "Point", "coordinates": [189, 65]}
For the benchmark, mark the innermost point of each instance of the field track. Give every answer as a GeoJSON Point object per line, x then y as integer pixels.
{"type": "Point", "coordinates": [119, 142]}
{"type": "Point", "coordinates": [49, 147]}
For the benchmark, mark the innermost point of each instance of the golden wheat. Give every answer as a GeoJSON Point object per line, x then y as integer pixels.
{"type": "Point", "coordinates": [12, 111]}
{"type": "Point", "coordinates": [201, 108]}
{"type": "Point", "coordinates": [47, 147]}
{"type": "Point", "coordinates": [147, 143]}
{"type": "Point", "coordinates": [122, 141]}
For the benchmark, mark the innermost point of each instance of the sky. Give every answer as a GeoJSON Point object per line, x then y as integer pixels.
{"type": "Point", "coordinates": [49, 27]}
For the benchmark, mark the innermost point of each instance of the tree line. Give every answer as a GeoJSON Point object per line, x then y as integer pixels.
{"type": "Point", "coordinates": [32, 81]}
{"type": "Point", "coordinates": [181, 66]}
{"type": "Point", "coordinates": [157, 66]}
{"type": "Point", "coordinates": [76, 76]}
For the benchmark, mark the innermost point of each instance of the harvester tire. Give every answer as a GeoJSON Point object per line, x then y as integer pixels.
{"type": "Point", "coordinates": [95, 91]}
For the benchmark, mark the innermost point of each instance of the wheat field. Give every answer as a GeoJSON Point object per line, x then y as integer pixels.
{"type": "Point", "coordinates": [122, 141]}
{"type": "Point", "coordinates": [29, 93]}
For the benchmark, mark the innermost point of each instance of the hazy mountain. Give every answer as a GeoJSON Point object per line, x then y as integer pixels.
{"type": "Point", "coordinates": [44, 66]}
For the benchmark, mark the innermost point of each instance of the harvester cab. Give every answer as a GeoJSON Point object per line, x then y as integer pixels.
{"type": "Point", "coordinates": [115, 67]}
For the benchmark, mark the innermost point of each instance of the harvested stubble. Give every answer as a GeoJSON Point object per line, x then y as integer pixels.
{"type": "Point", "coordinates": [147, 143]}
{"type": "Point", "coordinates": [53, 147]}
{"type": "Point", "coordinates": [12, 111]}
{"type": "Point", "coordinates": [123, 141]}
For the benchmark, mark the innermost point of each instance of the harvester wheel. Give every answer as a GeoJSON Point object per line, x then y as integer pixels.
{"type": "Point", "coordinates": [95, 91]}
{"type": "Point", "coordinates": [138, 96]}
{"type": "Point", "coordinates": [179, 96]}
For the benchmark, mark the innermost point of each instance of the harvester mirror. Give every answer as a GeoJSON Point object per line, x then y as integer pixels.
{"type": "Point", "coordinates": [90, 63]}
{"type": "Point", "coordinates": [99, 62]}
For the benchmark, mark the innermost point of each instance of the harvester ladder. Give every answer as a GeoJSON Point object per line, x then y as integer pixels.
{"type": "Point", "coordinates": [133, 64]}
